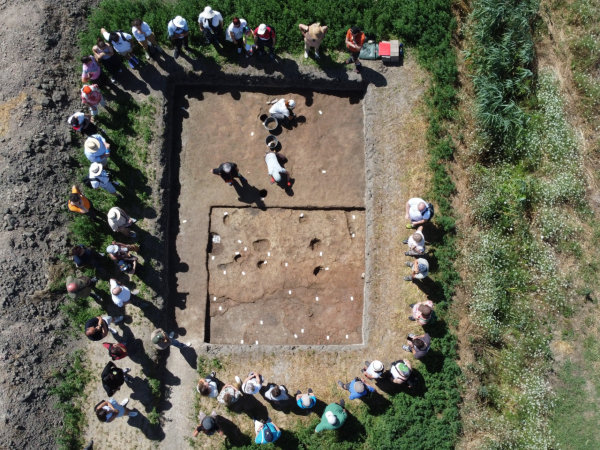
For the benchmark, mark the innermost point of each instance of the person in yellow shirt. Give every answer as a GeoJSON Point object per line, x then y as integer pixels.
{"type": "Point", "coordinates": [78, 203]}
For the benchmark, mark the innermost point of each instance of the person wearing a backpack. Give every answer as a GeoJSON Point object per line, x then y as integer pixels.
{"type": "Point", "coordinates": [121, 43]}
{"type": "Point", "coordinates": [418, 212]}
{"type": "Point", "coordinates": [264, 36]}
{"type": "Point", "coordinates": [266, 432]}
{"type": "Point", "coordinates": [119, 222]}
{"type": "Point", "coordinates": [179, 35]}
{"type": "Point", "coordinates": [211, 25]}
{"type": "Point", "coordinates": [98, 178]}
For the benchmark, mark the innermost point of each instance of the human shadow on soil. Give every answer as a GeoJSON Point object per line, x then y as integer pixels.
{"type": "Point", "coordinates": [152, 432]}
{"type": "Point", "coordinates": [130, 83]}
{"type": "Point", "coordinates": [190, 355]}
{"type": "Point", "coordinates": [249, 194]}
{"type": "Point", "coordinates": [250, 406]}
{"type": "Point", "coordinates": [232, 432]}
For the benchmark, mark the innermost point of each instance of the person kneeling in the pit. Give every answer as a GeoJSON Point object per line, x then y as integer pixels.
{"type": "Point", "coordinates": [283, 110]}
{"type": "Point", "coordinates": [277, 173]}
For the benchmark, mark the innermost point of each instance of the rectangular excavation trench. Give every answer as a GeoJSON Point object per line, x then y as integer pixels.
{"type": "Point", "coordinates": [241, 299]}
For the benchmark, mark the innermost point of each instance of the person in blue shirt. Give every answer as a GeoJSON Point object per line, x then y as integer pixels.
{"type": "Point", "coordinates": [306, 401]}
{"type": "Point", "coordinates": [358, 388]}
{"type": "Point", "coordinates": [266, 432]}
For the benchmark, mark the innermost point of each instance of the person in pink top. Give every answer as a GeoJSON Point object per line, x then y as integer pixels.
{"type": "Point", "coordinates": [91, 70]}
{"type": "Point", "coordinates": [91, 96]}
{"type": "Point", "coordinates": [421, 312]}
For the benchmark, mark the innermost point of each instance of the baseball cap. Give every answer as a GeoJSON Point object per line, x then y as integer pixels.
{"type": "Point", "coordinates": [422, 268]}
{"type": "Point", "coordinates": [112, 249]}
{"type": "Point", "coordinates": [158, 338]}
{"type": "Point", "coordinates": [208, 423]}
{"type": "Point", "coordinates": [403, 369]}
{"type": "Point", "coordinates": [267, 433]}
{"type": "Point", "coordinates": [262, 28]}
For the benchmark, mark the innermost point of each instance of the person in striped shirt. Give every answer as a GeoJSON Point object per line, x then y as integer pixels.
{"type": "Point", "coordinates": [421, 312]}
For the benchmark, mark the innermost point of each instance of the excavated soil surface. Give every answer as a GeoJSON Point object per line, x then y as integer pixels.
{"type": "Point", "coordinates": [326, 159]}
{"type": "Point", "coordinates": [286, 276]}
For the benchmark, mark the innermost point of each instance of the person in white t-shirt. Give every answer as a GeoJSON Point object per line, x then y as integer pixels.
{"type": "Point", "coordinates": [235, 32]}
{"type": "Point", "coordinates": [417, 211]}
{"type": "Point", "coordinates": [416, 243]}
{"type": "Point", "coordinates": [207, 386]}
{"type": "Point", "coordinates": [276, 171]}
{"type": "Point", "coordinates": [121, 294]}
{"type": "Point", "coordinates": [277, 394]}
{"type": "Point", "coordinates": [121, 43]}
{"type": "Point", "coordinates": [252, 384]}
{"type": "Point", "coordinates": [420, 269]}
{"type": "Point", "coordinates": [144, 35]}
{"type": "Point", "coordinates": [283, 110]}
{"type": "Point", "coordinates": [179, 35]}
{"type": "Point", "coordinates": [211, 24]}
{"type": "Point", "coordinates": [373, 370]}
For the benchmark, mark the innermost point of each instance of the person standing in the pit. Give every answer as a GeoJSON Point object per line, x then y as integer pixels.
{"type": "Point", "coordinates": [228, 172]}
{"type": "Point", "coordinates": [283, 110]}
{"type": "Point", "coordinates": [355, 39]}
{"type": "Point", "coordinates": [276, 172]}
{"type": "Point", "coordinates": [161, 340]}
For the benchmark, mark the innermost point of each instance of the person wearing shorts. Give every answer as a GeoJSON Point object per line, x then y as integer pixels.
{"type": "Point", "coordinates": [107, 411]}
{"type": "Point", "coordinates": [143, 34]}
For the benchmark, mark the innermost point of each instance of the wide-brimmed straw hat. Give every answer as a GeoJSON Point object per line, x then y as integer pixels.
{"type": "Point", "coordinates": [92, 144]}
{"type": "Point", "coordinates": [209, 13]}
{"type": "Point", "coordinates": [96, 169]}
{"type": "Point", "coordinates": [315, 31]}
{"type": "Point", "coordinates": [114, 214]}
{"type": "Point", "coordinates": [179, 22]}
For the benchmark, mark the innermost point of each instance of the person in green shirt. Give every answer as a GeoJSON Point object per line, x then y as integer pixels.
{"type": "Point", "coordinates": [333, 417]}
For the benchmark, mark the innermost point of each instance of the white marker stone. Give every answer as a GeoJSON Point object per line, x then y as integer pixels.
{"type": "Point", "coordinates": [220, 308]}
{"type": "Point", "coordinates": [296, 336]}
{"type": "Point", "coordinates": [256, 342]}
{"type": "Point", "coordinates": [290, 292]}
{"type": "Point", "coordinates": [320, 253]}
{"type": "Point", "coordinates": [245, 248]}
{"type": "Point", "coordinates": [320, 112]}
{"type": "Point", "coordinates": [302, 215]}
{"type": "Point", "coordinates": [213, 257]}
{"type": "Point", "coordinates": [224, 272]}
{"type": "Point", "coordinates": [225, 213]}
{"type": "Point", "coordinates": [363, 275]}
{"type": "Point", "coordinates": [242, 341]}
{"type": "Point", "coordinates": [285, 264]}
{"type": "Point", "coordinates": [237, 253]}
{"type": "Point", "coordinates": [184, 221]}
{"type": "Point", "coordinates": [239, 242]}
{"type": "Point", "coordinates": [302, 330]}
{"type": "Point", "coordinates": [346, 336]}
{"type": "Point", "coordinates": [324, 171]}
{"type": "Point", "coordinates": [326, 268]}
{"type": "Point", "coordinates": [327, 337]}
{"type": "Point", "coordinates": [268, 253]}
{"type": "Point", "coordinates": [351, 298]}
{"type": "Point", "coordinates": [266, 262]}
{"type": "Point", "coordinates": [353, 235]}
{"type": "Point", "coordinates": [317, 298]}
{"type": "Point", "coordinates": [243, 273]}
{"type": "Point", "coordinates": [261, 322]}
{"type": "Point", "coordinates": [353, 216]}
{"type": "Point", "coordinates": [214, 299]}
{"type": "Point", "coordinates": [252, 134]}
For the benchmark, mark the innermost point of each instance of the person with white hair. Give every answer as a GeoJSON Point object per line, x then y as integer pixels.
{"type": "Point", "coordinates": [211, 24]}
{"type": "Point", "coordinates": [306, 401]}
{"type": "Point", "coordinates": [418, 211]}
{"type": "Point", "coordinates": [179, 35]}
{"type": "Point", "coordinates": [120, 222]}
{"type": "Point", "coordinates": [277, 173]}
{"type": "Point", "coordinates": [252, 384]}
{"type": "Point", "coordinates": [416, 243]}
{"type": "Point", "coordinates": [373, 370]}
{"type": "Point", "coordinates": [283, 110]}
{"type": "Point", "coordinates": [333, 418]}
{"type": "Point", "coordinates": [98, 178]}
{"type": "Point", "coordinates": [420, 269]}
{"type": "Point", "coordinates": [228, 171]}
{"type": "Point", "coordinates": [358, 388]}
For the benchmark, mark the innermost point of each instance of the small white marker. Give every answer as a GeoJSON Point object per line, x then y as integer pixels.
{"type": "Point", "coordinates": [184, 221]}
{"type": "Point", "coordinates": [320, 253]}
{"type": "Point", "coordinates": [326, 268]}
{"type": "Point", "coordinates": [290, 292]}
{"type": "Point", "coordinates": [225, 213]}
{"type": "Point", "coordinates": [213, 257]}
{"type": "Point", "coordinates": [327, 337]}
{"type": "Point", "coordinates": [245, 248]}
{"type": "Point", "coordinates": [237, 253]}
{"type": "Point", "coordinates": [296, 336]}
{"type": "Point", "coordinates": [214, 299]}
{"type": "Point", "coordinates": [353, 216]}
{"type": "Point", "coordinates": [268, 253]}
{"type": "Point", "coordinates": [285, 264]}
{"type": "Point", "coordinates": [242, 341]}
{"type": "Point", "coordinates": [252, 134]}
{"type": "Point", "coordinates": [266, 262]}
{"type": "Point", "coordinates": [353, 235]}
{"type": "Point", "coordinates": [351, 298]}
{"type": "Point", "coordinates": [324, 171]}
{"type": "Point", "coordinates": [224, 272]}
{"type": "Point", "coordinates": [243, 273]}
{"type": "Point", "coordinates": [302, 330]}
{"type": "Point", "coordinates": [256, 342]}
{"type": "Point", "coordinates": [239, 242]}
{"type": "Point", "coordinates": [302, 215]}
{"type": "Point", "coordinates": [262, 198]}
{"type": "Point", "coordinates": [317, 298]}
{"type": "Point", "coordinates": [261, 322]}
{"type": "Point", "coordinates": [346, 336]}
{"type": "Point", "coordinates": [320, 112]}
{"type": "Point", "coordinates": [220, 308]}
{"type": "Point", "coordinates": [363, 275]}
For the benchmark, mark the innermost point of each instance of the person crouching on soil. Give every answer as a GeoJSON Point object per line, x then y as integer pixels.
{"type": "Point", "coordinates": [283, 110]}
{"type": "Point", "coordinates": [277, 173]}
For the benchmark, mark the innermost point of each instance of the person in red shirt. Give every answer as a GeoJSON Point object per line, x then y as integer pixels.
{"type": "Point", "coordinates": [264, 36]}
{"type": "Point", "coordinates": [355, 39]}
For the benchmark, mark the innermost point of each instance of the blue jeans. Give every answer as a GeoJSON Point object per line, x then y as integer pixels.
{"type": "Point", "coordinates": [177, 344]}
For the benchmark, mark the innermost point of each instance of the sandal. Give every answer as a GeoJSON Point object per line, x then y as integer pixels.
{"type": "Point", "coordinates": [409, 226]}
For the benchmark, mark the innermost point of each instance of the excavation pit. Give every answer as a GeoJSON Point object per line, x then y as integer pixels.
{"type": "Point", "coordinates": [232, 242]}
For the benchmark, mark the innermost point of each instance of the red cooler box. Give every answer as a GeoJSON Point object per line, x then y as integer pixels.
{"type": "Point", "coordinates": [389, 52]}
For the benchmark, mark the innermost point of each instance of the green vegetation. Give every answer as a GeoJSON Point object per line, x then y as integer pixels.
{"type": "Point", "coordinates": [70, 392]}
